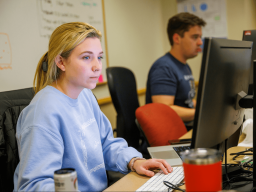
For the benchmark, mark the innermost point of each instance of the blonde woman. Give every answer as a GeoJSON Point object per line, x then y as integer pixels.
{"type": "Point", "coordinates": [63, 127]}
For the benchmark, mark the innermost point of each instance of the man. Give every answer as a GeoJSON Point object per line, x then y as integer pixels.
{"type": "Point", "coordinates": [170, 79]}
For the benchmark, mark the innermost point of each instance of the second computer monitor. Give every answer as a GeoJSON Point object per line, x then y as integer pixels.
{"type": "Point", "coordinates": [224, 73]}
{"type": "Point", "coordinates": [250, 35]}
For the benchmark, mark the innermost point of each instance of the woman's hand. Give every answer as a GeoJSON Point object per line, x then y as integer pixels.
{"type": "Point", "coordinates": [144, 167]}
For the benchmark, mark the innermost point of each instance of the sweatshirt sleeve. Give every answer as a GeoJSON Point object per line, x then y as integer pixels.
{"type": "Point", "coordinates": [116, 152]}
{"type": "Point", "coordinates": [41, 152]}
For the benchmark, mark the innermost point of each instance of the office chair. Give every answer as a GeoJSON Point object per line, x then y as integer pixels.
{"type": "Point", "coordinates": [11, 104]}
{"type": "Point", "coordinates": [160, 123]}
{"type": "Point", "coordinates": [123, 91]}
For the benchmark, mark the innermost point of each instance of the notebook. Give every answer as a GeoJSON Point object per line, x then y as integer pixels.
{"type": "Point", "coordinates": [168, 153]}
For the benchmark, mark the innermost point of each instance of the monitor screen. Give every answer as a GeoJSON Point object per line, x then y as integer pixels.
{"type": "Point", "coordinates": [250, 35]}
{"type": "Point", "coordinates": [224, 73]}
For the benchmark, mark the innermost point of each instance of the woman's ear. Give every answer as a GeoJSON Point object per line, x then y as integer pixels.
{"type": "Point", "coordinates": [60, 62]}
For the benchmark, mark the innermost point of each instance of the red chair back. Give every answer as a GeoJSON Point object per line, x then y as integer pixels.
{"type": "Point", "coordinates": [160, 123]}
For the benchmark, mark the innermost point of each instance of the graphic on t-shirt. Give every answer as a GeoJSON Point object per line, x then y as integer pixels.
{"type": "Point", "coordinates": [191, 93]}
{"type": "Point", "coordinates": [83, 132]}
{"type": "Point", "coordinates": [187, 77]}
{"type": "Point", "coordinates": [96, 144]}
{"type": "Point", "coordinates": [84, 151]}
{"type": "Point", "coordinates": [97, 168]}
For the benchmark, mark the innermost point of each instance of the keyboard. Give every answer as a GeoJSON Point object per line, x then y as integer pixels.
{"type": "Point", "coordinates": [181, 149]}
{"type": "Point", "coordinates": [155, 183]}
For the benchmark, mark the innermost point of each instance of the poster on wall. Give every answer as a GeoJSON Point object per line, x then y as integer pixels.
{"type": "Point", "coordinates": [213, 12]}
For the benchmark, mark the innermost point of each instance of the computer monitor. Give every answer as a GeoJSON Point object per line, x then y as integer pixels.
{"type": "Point", "coordinates": [224, 73]}
{"type": "Point", "coordinates": [250, 35]}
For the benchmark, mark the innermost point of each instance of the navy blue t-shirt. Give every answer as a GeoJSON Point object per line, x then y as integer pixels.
{"type": "Point", "coordinates": [168, 76]}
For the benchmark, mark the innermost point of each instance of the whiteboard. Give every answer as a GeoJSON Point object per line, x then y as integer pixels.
{"type": "Point", "coordinates": [25, 28]}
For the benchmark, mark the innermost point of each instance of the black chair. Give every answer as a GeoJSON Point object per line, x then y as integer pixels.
{"type": "Point", "coordinates": [11, 104]}
{"type": "Point", "coordinates": [123, 91]}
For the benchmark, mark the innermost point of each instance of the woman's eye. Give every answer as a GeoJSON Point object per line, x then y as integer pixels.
{"type": "Point", "coordinates": [100, 57]}
{"type": "Point", "coordinates": [87, 57]}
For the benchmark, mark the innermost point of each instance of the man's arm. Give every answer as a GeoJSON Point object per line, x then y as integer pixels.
{"type": "Point", "coordinates": [194, 102]}
{"type": "Point", "coordinates": [186, 114]}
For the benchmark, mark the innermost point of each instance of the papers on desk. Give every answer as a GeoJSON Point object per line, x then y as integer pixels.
{"type": "Point", "coordinates": [247, 129]}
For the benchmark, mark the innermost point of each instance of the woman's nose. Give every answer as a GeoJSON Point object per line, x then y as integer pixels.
{"type": "Point", "coordinates": [96, 65]}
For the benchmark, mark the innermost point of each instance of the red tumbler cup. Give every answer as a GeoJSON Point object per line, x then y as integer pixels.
{"type": "Point", "coordinates": [202, 170]}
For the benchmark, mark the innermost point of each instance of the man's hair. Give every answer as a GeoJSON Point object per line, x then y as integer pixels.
{"type": "Point", "coordinates": [181, 23]}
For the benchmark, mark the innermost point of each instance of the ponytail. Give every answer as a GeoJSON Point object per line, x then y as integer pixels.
{"type": "Point", "coordinates": [41, 73]}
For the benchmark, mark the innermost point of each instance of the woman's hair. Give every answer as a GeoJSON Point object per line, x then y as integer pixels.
{"type": "Point", "coordinates": [62, 41]}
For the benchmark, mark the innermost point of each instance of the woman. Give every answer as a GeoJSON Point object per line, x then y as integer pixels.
{"type": "Point", "coordinates": [63, 127]}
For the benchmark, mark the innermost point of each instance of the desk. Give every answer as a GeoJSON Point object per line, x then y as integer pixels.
{"type": "Point", "coordinates": [132, 181]}
{"type": "Point", "coordinates": [188, 135]}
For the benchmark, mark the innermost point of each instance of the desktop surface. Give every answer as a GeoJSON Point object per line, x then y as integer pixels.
{"type": "Point", "coordinates": [133, 181]}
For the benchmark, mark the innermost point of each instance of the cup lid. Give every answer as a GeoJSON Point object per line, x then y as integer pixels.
{"type": "Point", "coordinates": [201, 156]}
{"type": "Point", "coordinates": [64, 171]}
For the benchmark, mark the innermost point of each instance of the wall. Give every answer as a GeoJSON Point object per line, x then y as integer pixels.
{"type": "Point", "coordinates": [134, 36]}
{"type": "Point", "coordinates": [142, 35]}
{"type": "Point", "coordinates": [241, 15]}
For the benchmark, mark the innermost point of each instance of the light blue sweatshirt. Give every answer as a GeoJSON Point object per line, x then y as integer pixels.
{"type": "Point", "coordinates": [56, 132]}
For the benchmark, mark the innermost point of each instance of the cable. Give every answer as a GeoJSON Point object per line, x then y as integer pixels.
{"type": "Point", "coordinates": [226, 169]}
{"type": "Point", "coordinates": [242, 153]}
{"type": "Point", "coordinates": [240, 177]}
